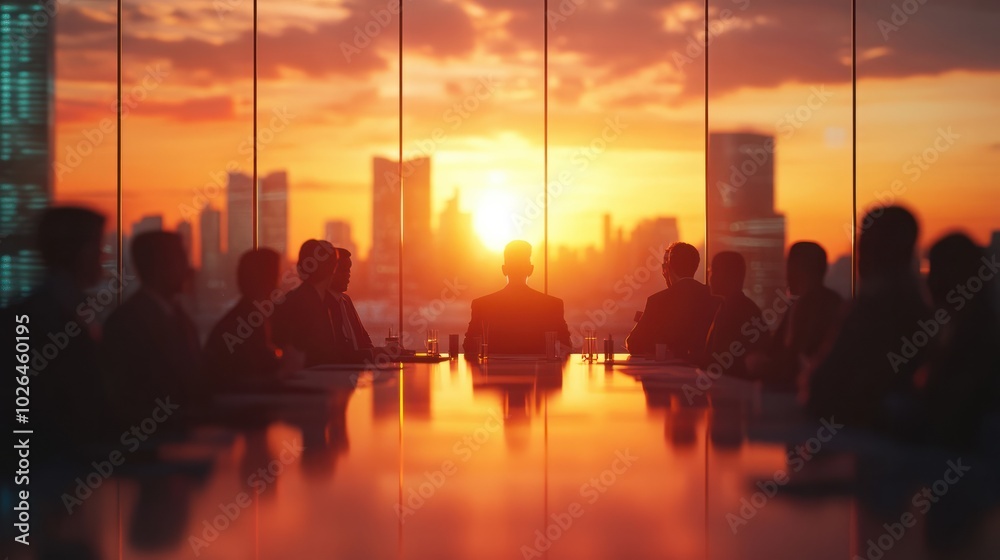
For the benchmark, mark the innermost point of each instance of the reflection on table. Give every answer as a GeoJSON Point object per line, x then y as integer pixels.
{"type": "Point", "coordinates": [533, 459]}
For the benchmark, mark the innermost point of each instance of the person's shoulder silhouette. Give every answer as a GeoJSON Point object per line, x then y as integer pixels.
{"type": "Point", "coordinates": [62, 324]}
{"type": "Point", "coordinates": [680, 315]}
{"type": "Point", "coordinates": [514, 320]}
{"type": "Point", "coordinates": [864, 368]}
{"type": "Point", "coordinates": [150, 348]}
{"type": "Point", "coordinates": [303, 319]}
{"type": "Point", "coordinates": [240, 352]}
{"type": "Point", "coordinates": [725, 277]}
{"type": "Point", "coordinates": [963, 384]}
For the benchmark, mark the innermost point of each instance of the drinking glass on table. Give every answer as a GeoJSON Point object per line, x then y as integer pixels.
{"type": "Point", "coordinates": [431, 342]}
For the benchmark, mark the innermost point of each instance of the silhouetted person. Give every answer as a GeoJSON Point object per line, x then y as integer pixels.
{"type": "Point", "coordinates": [680, 315]}
{"type": "Point", "coordinates": [726, 338]}
{"type": "Point", "coordinates": [150, 349]}
{"type": "Point", "coordinates": [962, 386]}
{"type": "Point", "coordinates": [515, 319]}
{"type": "Point", "coordinates": [68, 399]}
{"type": "Point", "coordinates": [240, 353]}
{"type": "Point", "coordinates": [804, 328]}
{"type": "Point", "coordinates": [303, 320]}
{"type": "Point", "coordinates": [353, 345]}
{"type": "Point", "coordinates": [869, 368]}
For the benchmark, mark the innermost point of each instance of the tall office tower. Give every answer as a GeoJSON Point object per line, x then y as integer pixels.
{"type": "Point", "coordinates": [456, 241]}
{"type": "Point", "coordinates": [740, 210]}
{"type": "Point", "coordinates": [185, 230]}
{"type": "Point", "coordinates": [211, 247]}
{"type": "Point", "coordinates": [27, 70]}
{"type": "Point", "coordinates": [149, 222]}
{"type": "Point", "coordinates": [416, 212]}
{"type": "Point", "coordinates": [239, 217]}
{"type": "Point", "coordinates": [338, 232]}
{"type": "Point", "coordinates": [273, 216]}
{"type": "Point", "coordinates": [650, 238]}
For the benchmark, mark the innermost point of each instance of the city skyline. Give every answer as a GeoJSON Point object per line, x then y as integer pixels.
{"type": "Point", "coordinates": [476, 105]}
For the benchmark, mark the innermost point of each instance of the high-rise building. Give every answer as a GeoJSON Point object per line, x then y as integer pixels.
{"type": "Point", "coordinates": [386, 214]}
{"type": "Point", "coordinates": [239, 215]}
{"type": "Point", "coordinates": [27, 68]}
{"type": "Point", "coordinates": [149, 222]}
{"type": "Point", "coordinates": [184, 230]}
{"type": "Point", "coordinates": [211, 247]}
{"type": "Point", "coordinates": [740, 210]}
{"type": "Point", "coordinates": [338, 232]}
{"type": "Point", "coordinates": [651, 237]}
{"type": "Point", "coordinates": [273, 216]}
{"type": "Point", "coordinates": [456, 241]}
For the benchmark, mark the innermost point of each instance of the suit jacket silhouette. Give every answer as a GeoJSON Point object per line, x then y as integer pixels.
{"type": "Point", "coordinates": [150, 350]}
{"type": "Point", "coordinates": [303, 321]}
{"type": "Point", "coordinates": [727, 328]}
{"type": "Point", "coordinates": [238, 355]}
{"type": "Point", "coordinates": [857, 375]}
{"type": "Point", "coordinates": [802, 331]}
{"type": "Point", "coordinates": [679, 317]}
{"type": "Point", "coordinates": [69, 403]}
{"type": "Point", "coordinates": [514, 320]}
{"type": "Point", "coordinates": [345, 350]}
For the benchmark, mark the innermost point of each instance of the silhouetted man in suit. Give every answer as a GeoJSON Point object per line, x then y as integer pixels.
{"type": "Point", "coordinates": [150, 349]}
{"type": "Point", "coordinates": [69, 404]}
{"type": "Point", "coordinates": [964, 382]}
{"type": "Point", "coordinates": [353, 344]}
{"type": "Point", "coordinates": [806, 325]}
{"type": "Point", "coordinates": [515, 319]}
{"type": "Point", "coordinates": [725, 337]}
{"type": "Point", "coordinates": [240, 353]}
{"type": "Point", "coordinates": [303, 320]}
{"type": "Point", "coordinates": [680, 315]}
{"type": "Point", "coordinates": [870, 366]}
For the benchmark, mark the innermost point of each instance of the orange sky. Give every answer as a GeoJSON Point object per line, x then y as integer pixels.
{"type": "Point", "coordinates": [187, 77]}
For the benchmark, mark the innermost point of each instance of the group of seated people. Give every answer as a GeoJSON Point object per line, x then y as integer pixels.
{"type": "Point", "coordinates": [863, 362]}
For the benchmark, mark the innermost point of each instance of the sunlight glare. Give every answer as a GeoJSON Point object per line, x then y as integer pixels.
{"type": "Point", "coordinates": [494, 219]}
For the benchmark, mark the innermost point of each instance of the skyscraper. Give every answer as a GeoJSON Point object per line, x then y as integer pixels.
{"type": "Point", "coordinates": [338, 232]}
{"type": "Point", "coordinates": [211, 247]}
{"type": "Point", "coordinates": [184, 230]}
{"type": "Point", "coordinates": [27, 68]}
{"type": "Point", "coordinates": [740, 211]}
{"type": "Point", "coordinates": [149, 222]}
{"type": "Point", "coordinates": [239, 216]}
{"type": "Point", "coordinates": [416, 213]}
{"type": "Point", "coordinates": [273, 214]}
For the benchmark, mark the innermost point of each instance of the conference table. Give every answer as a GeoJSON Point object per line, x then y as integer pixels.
{"type": "Point", "coordinates": [522, 458]}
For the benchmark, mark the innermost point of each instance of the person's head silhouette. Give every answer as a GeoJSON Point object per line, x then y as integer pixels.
{"type": "Point", "coordinates": [517, 265]}
{"type": "Point", "coordinates": [342, 276]}
{"type": "Point", "coordinates": [806, 267]}
{"type": "Point", "coordinates": [69, 240]}
{"type": "Point", "coordinates": [953, 260]}
{"type": "Point", "coordinates": [317, 263]}
{"type": "Point", "coordinates": [727, 273]}
{"type": "Point", "coordinates": [161, 262]}
{"type": "Point", "coordinates": [257, 273]}
{"type": "Point", "coordinates": [886, 245]}
{"type": "Point", "coordinates": [680, 260]}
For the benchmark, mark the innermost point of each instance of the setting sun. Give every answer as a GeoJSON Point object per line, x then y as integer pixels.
{"type": "Point", "coordinates": [494, 219]}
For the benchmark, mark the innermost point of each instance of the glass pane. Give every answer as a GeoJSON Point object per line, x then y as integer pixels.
{"type": "Point", "coordinates": [927, 115]}
{"type": "Point", "coordinates": [780, 153]}
{"type": "Point", "coordinates": [626, 156]}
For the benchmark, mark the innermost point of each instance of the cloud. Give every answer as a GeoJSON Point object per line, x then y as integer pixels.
{"type": "Point", "coordinates": [654, 46]}
{"type": "Point", "coordinates": [195, 109]}
{"type": "Point", "coordinates": [315, 49]}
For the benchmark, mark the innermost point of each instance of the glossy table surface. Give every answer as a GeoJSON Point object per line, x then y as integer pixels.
{"type": "Point", "coordinates": [526, 459]}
